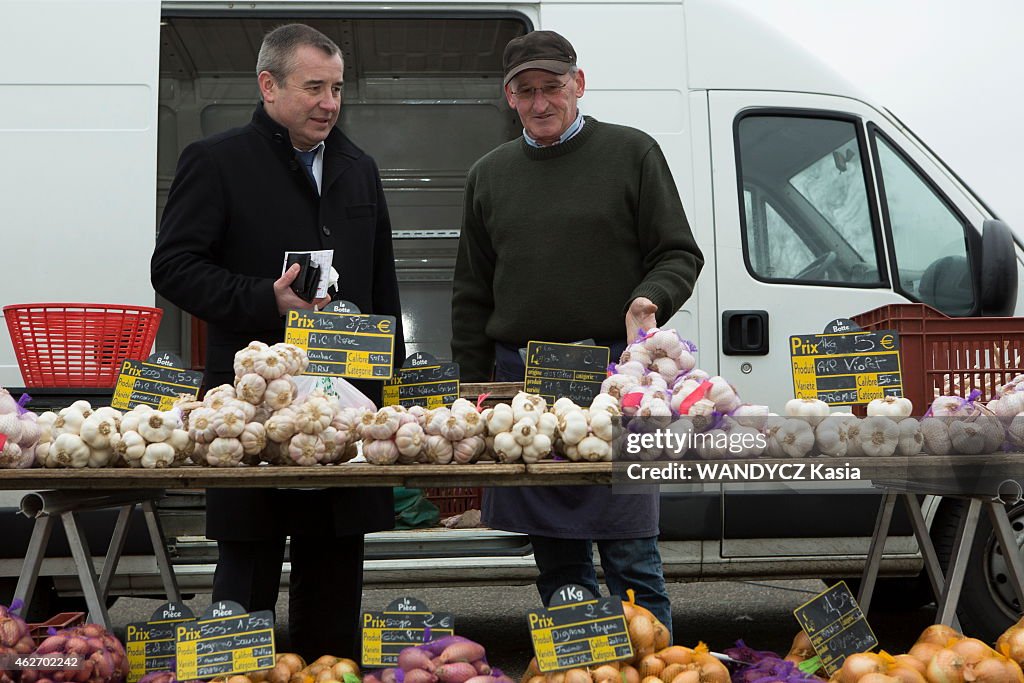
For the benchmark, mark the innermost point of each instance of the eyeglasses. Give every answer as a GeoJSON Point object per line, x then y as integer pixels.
{"type": "Point", "coordinates": [549, 91]}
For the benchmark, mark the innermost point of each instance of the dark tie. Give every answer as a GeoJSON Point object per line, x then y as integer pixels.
{"type": "Point", "coordinates": [307, 163]}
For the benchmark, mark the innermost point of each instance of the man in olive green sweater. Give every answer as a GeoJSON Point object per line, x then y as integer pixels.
{"type": "Point", "coordinates": [573, 231]}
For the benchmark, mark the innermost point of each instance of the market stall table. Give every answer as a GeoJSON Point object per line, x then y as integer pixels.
{"type": "Point", "coordinates": [988, 482]}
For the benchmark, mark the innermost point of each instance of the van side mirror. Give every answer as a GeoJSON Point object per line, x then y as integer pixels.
{"type": "Point", "coordinates": [998, 272]}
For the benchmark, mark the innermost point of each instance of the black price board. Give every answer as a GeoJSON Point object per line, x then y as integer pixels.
{"type": "Point", "coordinates": [571, 370]}
{"type": "Point", "coordinates": [225, 641]}
{"type": "Point", "coordinates": [845, 365]}
{"type": "Point", "coordinates": [836, 626]}
{"type": "Point", "coordinates": [151, 645]}
{"type": "Point", "coordinates": [423, 381]}
{"type": "Point", "coordinates": [404, 623]}
{"type": "Point", "coordinates": [158, 381]}
{"type": "Point", "coordinates": [578, 630]}
{"type": "Point", "coordinates": [342, 342]}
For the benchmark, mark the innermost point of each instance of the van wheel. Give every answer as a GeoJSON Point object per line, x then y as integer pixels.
{"type": "Point", "coordinates": [988, 605]}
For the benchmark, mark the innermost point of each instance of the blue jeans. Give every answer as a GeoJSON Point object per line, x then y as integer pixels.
{"type": "Point", "coordinates": [627, 562]}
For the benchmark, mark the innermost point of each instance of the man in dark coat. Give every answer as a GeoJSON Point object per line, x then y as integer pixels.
{"type": "Point", "coordinates": [287, 181]}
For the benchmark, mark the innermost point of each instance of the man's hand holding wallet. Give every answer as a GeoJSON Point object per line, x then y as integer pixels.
{"type": "Point", "coordinates": [302, 276]}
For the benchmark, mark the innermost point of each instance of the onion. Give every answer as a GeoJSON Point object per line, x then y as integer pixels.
{"type": "Point", "coordinates": [651, 665]}
{"type": "Point", "coordinates": [629, 674]}
{"type": "Point", "coordinates": [878, 678]}
{"type": "Point", "coordinates": [940, 634]}
{"type": "Point", "coordinates": [577, 676]}
{"type": "Point", "coordinates": [859, 665]}
{"type": "Point", "coordinates": [687, 677]}
{"type": "Point", "coordinates": [1012, 642]}
{"type": "Point", "coordinates": [923, 652]}
{"type": "Point", "coordinates": [907, 673]}
{"type": "Point", "coordinates": [972, 650]}
{"type": "Point", "coordinates": [946, 667]}
{"type": "Point", "coordinates": [605, 672]}
{"type": "Point", "coordinates": [910, 662]}
{"type": "Point", "coordinates": [997, 670]}
{"type": "Point", "coordinates": [676, 654]}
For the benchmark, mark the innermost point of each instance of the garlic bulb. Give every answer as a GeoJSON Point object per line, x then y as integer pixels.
{"type": "Point", "coordinates": [831, 436]}
{"type": "Point", "coordinates": [911, 442]}
{"type": "Point", "coordinates": [410, 440]}
{"type": "Point", "coordinates": [268, 365]}
{"type": "Point", "coordinates": [253, 438]}
{"type": "Point", "coordinates": [438, 450]}
{"type": "Point", "coordinates": [593, 449]}
{"type": "Point", "coordinates": [890, 406]}
{"type": "Point", "coordinates": [157, 426]}
{"type": "Point", "coordinates": [10, 426]}
{"type": "Point", "coordinates": [382, 427]}
{"type": "Point", "coordinates": [879, 436]}
{"type": "Point", "coordinates": [795, 437]}
{"type": "Point", "coordinates": [467, 450]}
{"type": "Point", "coordinates": [315, 415]}
{"type": "Point", "coordinates": [158, 455]}
{"type": "Point", "coordinates": [572, 427]}
{"type": "Point", "coordinates": [538, 449]}
{"type": "Point", "coordinates": [133, 447]}
{"type": "Point", "coordinates": [68, 450]}
{"type": "Point", "coordinates": [280, 392]}
{"type": "Point", "coordinates": [224, 452]}
{"type": "Point", "coordinates": [280, 427]}
{"type": "Point", "coordinates": [935, 434]}
{"type": "Point", "coordinates": [506, 448]}
{"type": "Point", "coordinates": [499, 419]}
{"type": "Point", "coordinates": [379, 451]}
{"type": "Point", "coordinates": [96, 431]}
{"type": "Point", "coordinates": [200, 425]}
{"type": "Point", "coordinates": [307, 449]}
{"type": "Point", "coordinates": [811, 409]}
{"type": "Point", "coordinates": [182, 444]}
{"type": "Point", "coordinates": [966, 437]}
{"type": "Point", "coordinates": [454, 428]}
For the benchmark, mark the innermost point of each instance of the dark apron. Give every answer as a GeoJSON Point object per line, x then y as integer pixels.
{"type": "Point", "coordinates": [582, 512]}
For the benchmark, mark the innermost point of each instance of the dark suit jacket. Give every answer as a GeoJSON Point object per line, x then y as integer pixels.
{"type": "Point", "coordinates": [239, 201]}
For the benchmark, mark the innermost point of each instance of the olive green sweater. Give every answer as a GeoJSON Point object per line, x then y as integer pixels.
{"type": "Point", "coordinates": [557, 241]}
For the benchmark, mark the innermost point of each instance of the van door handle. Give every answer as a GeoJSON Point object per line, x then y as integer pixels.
{"type": "Point", "coordinates": [745, 333]}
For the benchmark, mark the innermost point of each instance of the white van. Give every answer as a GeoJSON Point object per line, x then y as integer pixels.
{"type": "Point", "coordinates": [809, 201]}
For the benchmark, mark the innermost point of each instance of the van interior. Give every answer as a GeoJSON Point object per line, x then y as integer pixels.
{"type": "Point", "coordinates": [422, 95]}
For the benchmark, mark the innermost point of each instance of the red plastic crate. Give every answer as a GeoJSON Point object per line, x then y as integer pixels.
{"type": "Point", "coordinates": [943, 355]}
{"type": "Point", "coordinates": [454, 501]}
{"type": "Point", "coordinates": [79, 344]}
{"type": "Point", "coordinates": [40, 632]}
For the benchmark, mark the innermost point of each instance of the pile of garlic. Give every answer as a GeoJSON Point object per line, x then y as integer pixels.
{"type": "Point", "coordinates": [963, 426]}
{"type": "Point", "coordinates": [19, 432]}
{"type": "Point", "coordinates": [78, 437]}
{"type": "Point", "coordinates": [395, 434]}
{"type": "Point", "coordinates": [525, 430]}
{"type": "Point", "coordinates": [314, 430]}
{"type": "Point", "coordinates": [586, 434]}
{"type": "Point", "coordinates": [147, 437]}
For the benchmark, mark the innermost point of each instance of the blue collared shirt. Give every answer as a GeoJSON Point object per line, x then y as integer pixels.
{"type": "Point", "coordinates": [569, 132]}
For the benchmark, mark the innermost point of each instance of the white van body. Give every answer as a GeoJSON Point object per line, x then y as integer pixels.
{"type": "Point", "coordinates": [100, 98]}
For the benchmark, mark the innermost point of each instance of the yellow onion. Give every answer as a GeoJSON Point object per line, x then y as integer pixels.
{"type": "Point", "coordinates": [577, 676]}
{"type": "Point", "coordinates": [910, 662]}
{"type": "Point", "coordinates": [671, 671]}
{"type": "Point", "coordinates": [651, 679]}
{"type": "Point", "coordinates": [878, 678]}
{"type": "Point", "coordinates": [947, 666]}
{"type": "Point", "coordinates": [972, 650]}
{"type": "Point", "coordinates": [676, 654]}
{"type": "Point", "coordinates": [629, 674]}
{"type": "Point", "coordinates": [691, 676]}
{"type": "Point", "coordinates": [940, 634]}
{"type": "Point", "coordinates": [859, 665]}
{"type": "Point", "coordinates": [906, 673]}
{"type": "Point", "coordinates": [606, 672]}
{"type": "Point", "coordinates": [651, 665]}
{"type": "Point", "coordinates": [801, 649]}
{"type": "Point", "coordinates": [641, 633]}
{"type": "Point", "coordinates": [996, 669]}
{"type": "Point", "coordinates": [923, 652]}
{"type": "Point", "coordinates": [1011, 643]}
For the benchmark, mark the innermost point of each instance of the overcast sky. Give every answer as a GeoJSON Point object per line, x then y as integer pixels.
{"type": "Point", "coordinates": [951, 70]}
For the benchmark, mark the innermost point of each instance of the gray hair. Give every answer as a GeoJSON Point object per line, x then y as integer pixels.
{"type": "Point", "coordinates": [278, 50]}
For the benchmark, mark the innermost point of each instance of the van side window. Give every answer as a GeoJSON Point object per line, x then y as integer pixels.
{"type": "Point", "coordinates": [806, 211]}
{"type": "Point", "coordinates": [929, 240]}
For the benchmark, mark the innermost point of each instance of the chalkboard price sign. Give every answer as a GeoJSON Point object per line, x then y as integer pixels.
{"type": "Point", "coordinates": [571, 370]}
{"type": "Point", "coordinates": [151, 645]}
{"type": "Point", "coordinates": [845, 365]}
{"type": "Point", "coordinates": [226, 641]}
{"type": "Point", "coordinates": [578, 630]}
{"type": "Point", "coordinates": [836, 626]}
{"type": "Point", "coordinates": [341, 342]}
{"type": "Point", "coordinates": [423, 381]}
{"type": "Point", "coordinates": [404, 623]}
{"type": "Point", "coordinates": [158, 381]}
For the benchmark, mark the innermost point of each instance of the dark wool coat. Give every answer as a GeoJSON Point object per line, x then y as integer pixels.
{"type": "Point", "coordinates": [239, 201]}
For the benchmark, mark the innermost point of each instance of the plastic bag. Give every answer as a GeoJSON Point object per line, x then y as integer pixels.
{"type": "Point", "coordinates": [348, 396]}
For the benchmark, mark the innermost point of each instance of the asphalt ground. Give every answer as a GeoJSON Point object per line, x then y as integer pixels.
{"type": "Point", "coordinates": [718, 613]}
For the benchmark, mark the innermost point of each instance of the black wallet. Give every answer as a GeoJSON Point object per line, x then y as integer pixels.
{"type": "Point", "coordinates": [305, 285]}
